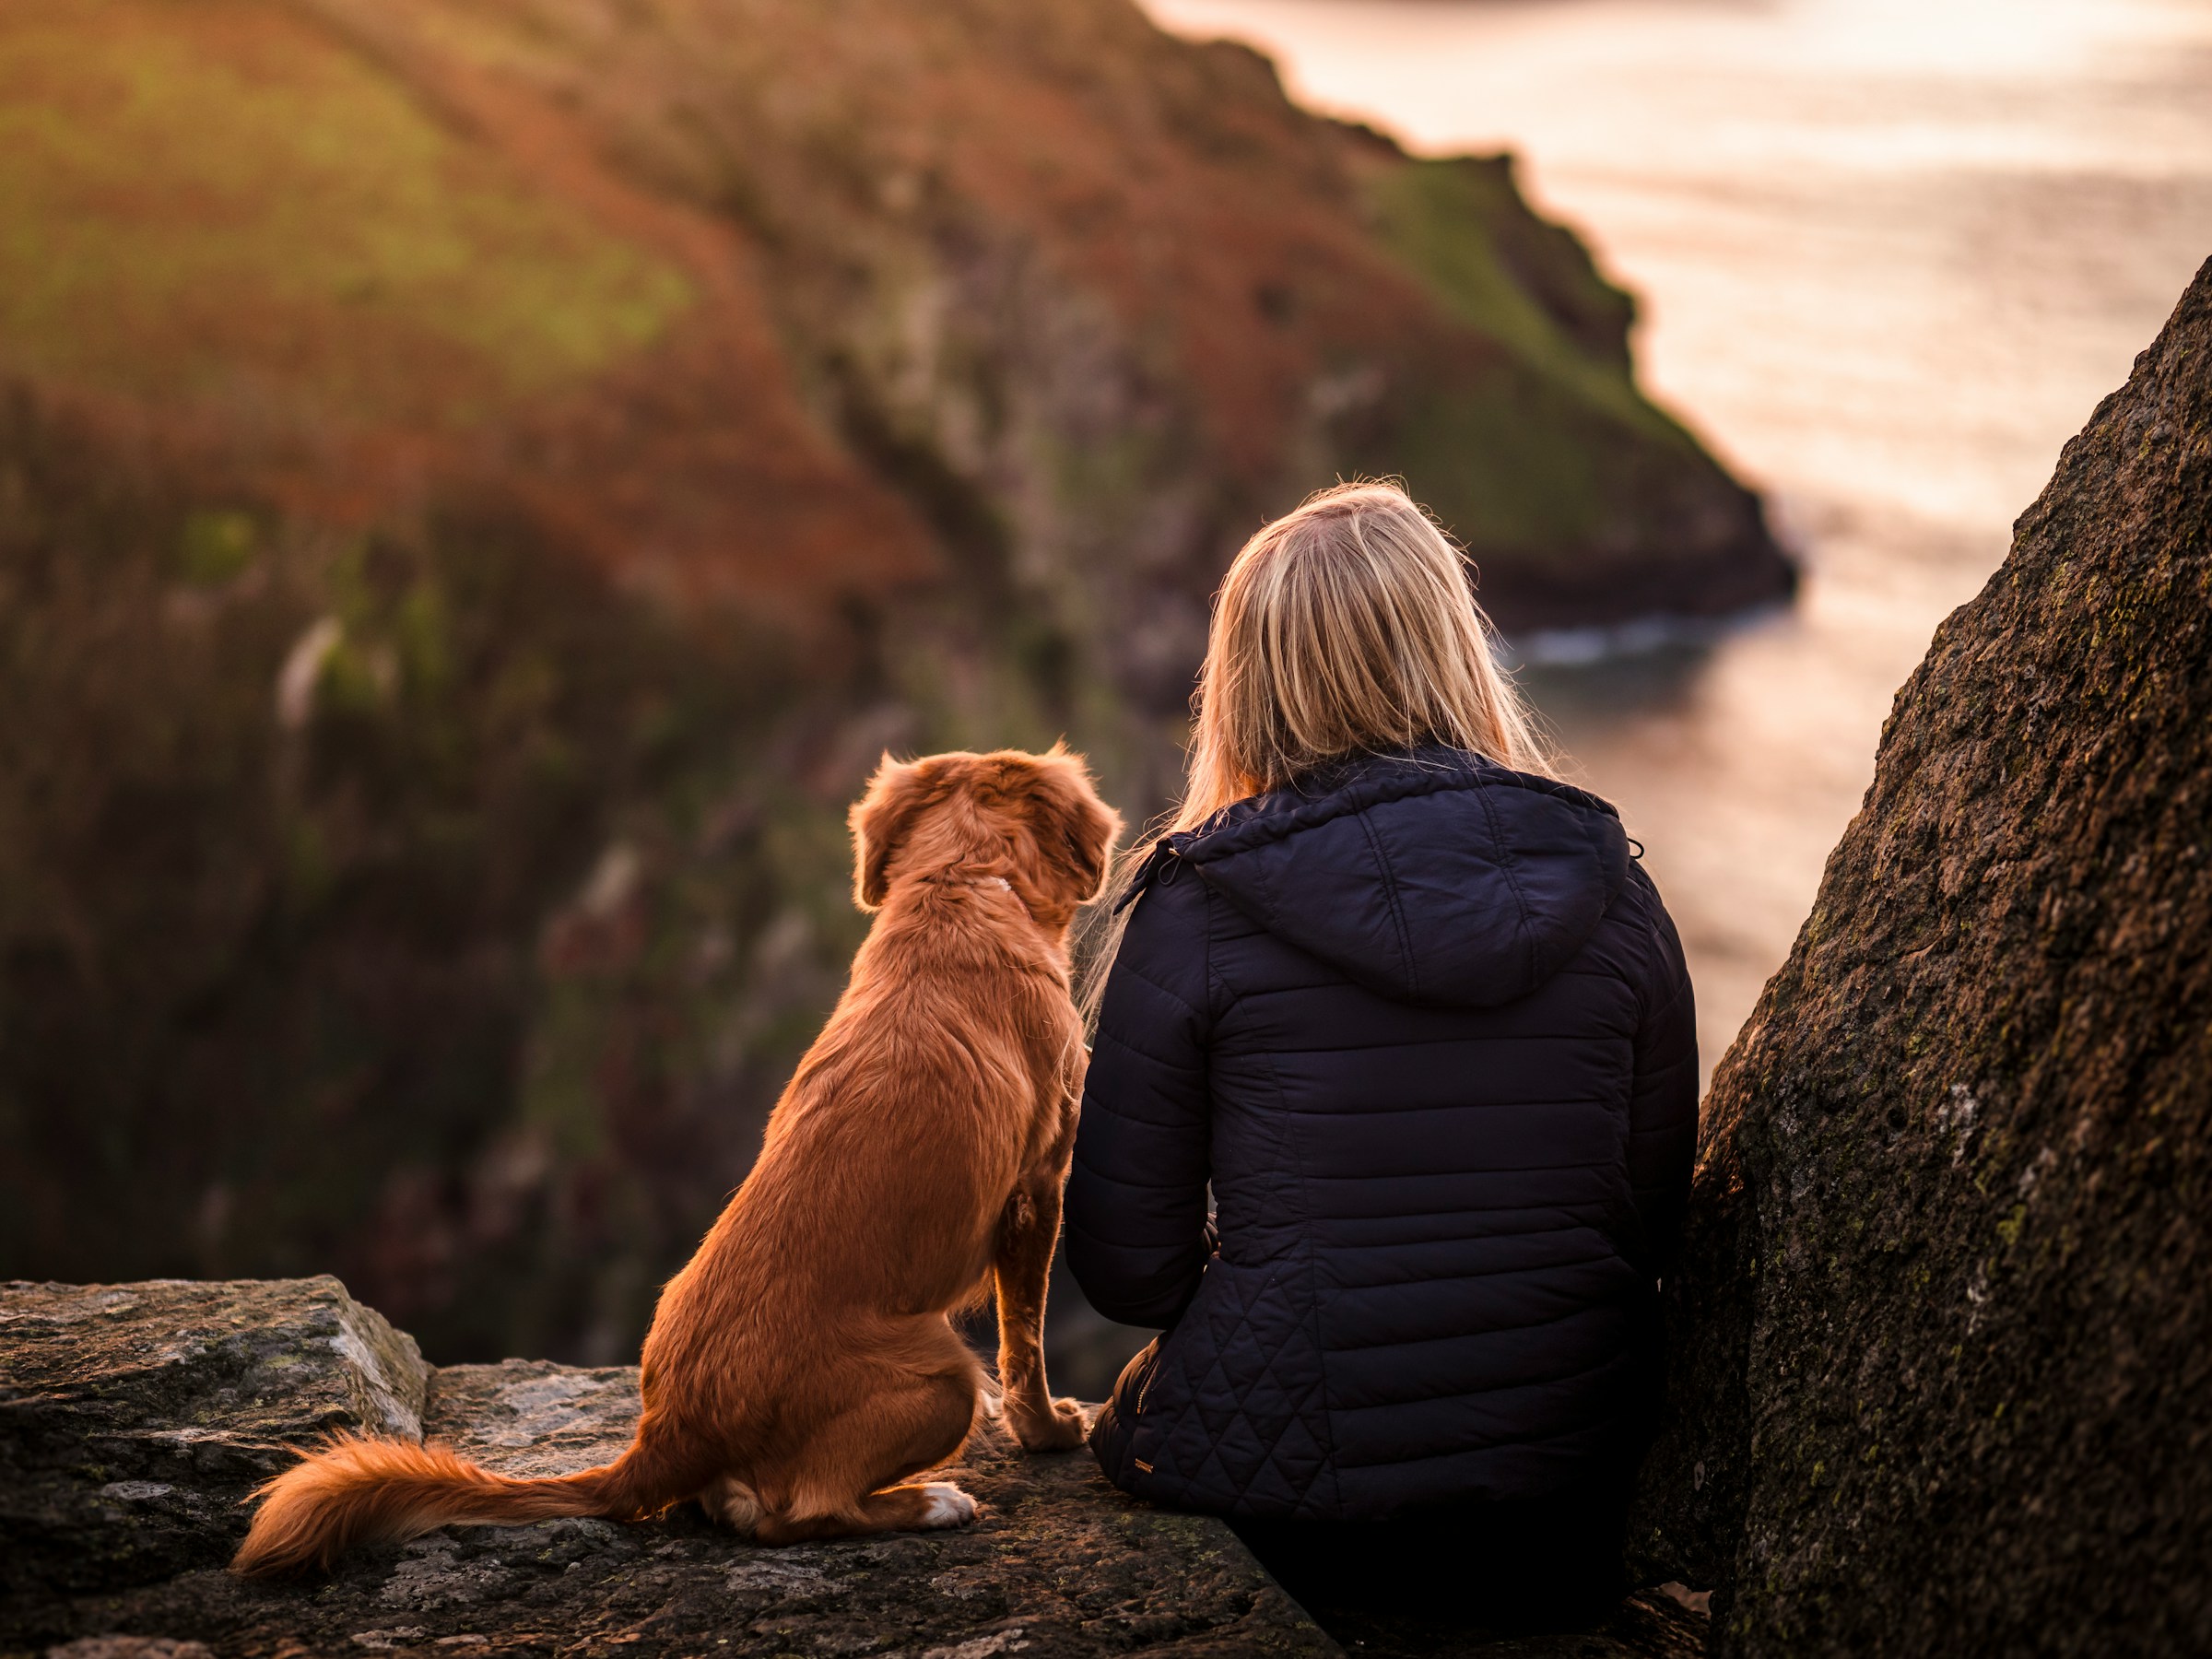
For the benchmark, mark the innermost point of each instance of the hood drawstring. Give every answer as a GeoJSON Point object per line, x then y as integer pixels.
{"type": "Point", "coordinates": [1163, 862]}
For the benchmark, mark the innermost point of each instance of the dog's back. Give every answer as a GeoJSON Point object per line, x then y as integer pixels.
{"type": "Point", "coordinates": [898, 1136]}
{"type": "Point", "coordinates": [800, 1367]}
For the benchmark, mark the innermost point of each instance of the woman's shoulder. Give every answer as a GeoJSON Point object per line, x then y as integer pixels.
{"type": "Point", "coordinates": [1166, 899]}
{"type": "Point", "coordinates": [1638, 919]}
{"type": "Point", "coordinates": [1164, 935]}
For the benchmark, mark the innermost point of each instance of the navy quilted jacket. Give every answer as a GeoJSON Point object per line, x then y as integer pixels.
{"type": "Point", "coordinates": [1424, 1027]}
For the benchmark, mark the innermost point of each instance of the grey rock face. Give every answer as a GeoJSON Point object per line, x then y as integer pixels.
{"type": "Point", "coordinates": [1943, 1373]}
{"type": "Point", "coordinates": [136, 1415]}
{"type": "Point", "coordinates": [135, 1418]}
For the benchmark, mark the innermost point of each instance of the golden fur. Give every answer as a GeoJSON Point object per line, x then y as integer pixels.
{"type": "Point", "coordinates": [801, 1369]}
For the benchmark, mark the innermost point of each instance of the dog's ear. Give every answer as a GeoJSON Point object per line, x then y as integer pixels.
{"type": "Point", "coordinates": [1075, 830]}
{"type": "Point", "coordinates": [880, 821]}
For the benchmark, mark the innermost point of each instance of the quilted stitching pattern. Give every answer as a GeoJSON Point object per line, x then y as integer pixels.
{"type": "Point", "coordinates": [1427, 1036]}
{"type": "Point", "coordinates": [1243, 1389]}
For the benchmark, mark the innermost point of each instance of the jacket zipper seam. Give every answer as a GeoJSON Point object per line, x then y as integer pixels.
{"type": "Point", "coordinates": [1390, 896]}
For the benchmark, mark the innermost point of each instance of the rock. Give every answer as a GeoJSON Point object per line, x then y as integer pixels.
{"type": "Point", "coordinates": [1650, 1624]}
{"type": "Point", "coordinates": [1943, 1373]}
{"type": "Point", "coordinates": [135, 1418]}
{"type": "Point", "coordinates": [1059, 1563]}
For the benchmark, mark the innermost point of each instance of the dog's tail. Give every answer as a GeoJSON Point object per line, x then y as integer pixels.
{"type": "Point", "coordinates": [356, 1491]}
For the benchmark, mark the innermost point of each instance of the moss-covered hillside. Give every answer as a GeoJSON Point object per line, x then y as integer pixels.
{"type": "Point", "coordinates": [480, 480]}
{"type": "Point", "coordinates": [773, 294]}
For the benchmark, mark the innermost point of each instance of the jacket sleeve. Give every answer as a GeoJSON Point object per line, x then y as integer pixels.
{"type": "Point", "coordinates": [1663, 1106]}
{"type": "Point", "coordinates": [1136, 1206]}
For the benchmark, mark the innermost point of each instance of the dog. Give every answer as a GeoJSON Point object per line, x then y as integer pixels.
{"type": "Point", "coordinates": [801, 1370]}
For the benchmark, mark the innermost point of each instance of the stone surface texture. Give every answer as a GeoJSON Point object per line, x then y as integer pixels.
{"type": "Point", "coordinates": [135, 1417]}
{"type": "Point", "coordinates": [1651, 1624]}
{"type": "Point", "coordinates": [1944, 1336]}
{"type": "Point", "coordinates": [1058, 1565]}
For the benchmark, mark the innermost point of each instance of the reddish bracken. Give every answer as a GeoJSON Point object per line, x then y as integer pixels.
{"type": "Point", "coordinates": [801, 1369]}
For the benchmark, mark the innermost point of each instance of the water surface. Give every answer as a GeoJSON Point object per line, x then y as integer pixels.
{"type": "Point", "coordinates": [1889, 254]}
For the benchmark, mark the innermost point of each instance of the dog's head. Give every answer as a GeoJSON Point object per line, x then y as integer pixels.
{"type": "Point", "coordinates": [1034, 819]}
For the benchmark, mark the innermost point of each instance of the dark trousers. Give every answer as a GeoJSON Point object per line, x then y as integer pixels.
{"type": "Point", "coordinates": [1509, 1564]}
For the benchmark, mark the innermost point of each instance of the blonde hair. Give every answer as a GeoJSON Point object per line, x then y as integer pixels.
{"type": "Point", "coordinates": [1347, 627]}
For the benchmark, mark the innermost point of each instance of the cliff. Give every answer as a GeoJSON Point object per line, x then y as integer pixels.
{"type": "Point", "coordinates": [133, 1418]}
{"type": "Point", "coordinates": [1944, 1375]}
{"type": "Point", "coordinates": [784, 301]}
{"type": "Point", "coordinates": [480, 485]}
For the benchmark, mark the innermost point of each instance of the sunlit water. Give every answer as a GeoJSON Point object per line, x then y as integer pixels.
{"type": "Point", "coordinates": [1890, 253]}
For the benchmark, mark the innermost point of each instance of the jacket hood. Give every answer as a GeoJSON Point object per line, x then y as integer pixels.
{"type": "Point", "coordinates": [1430, 876]}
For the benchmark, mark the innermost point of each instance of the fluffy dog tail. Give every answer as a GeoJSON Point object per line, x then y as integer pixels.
{"type": "Point", "coordinates": [357, 1490]}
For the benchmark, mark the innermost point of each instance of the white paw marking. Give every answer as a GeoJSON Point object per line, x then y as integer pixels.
{"type": "Point", "coordinates": [733, 1503]}
{"type": "Point", "coordinates": [946, 1506]}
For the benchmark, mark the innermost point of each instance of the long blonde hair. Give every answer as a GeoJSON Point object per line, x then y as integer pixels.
{"type": "Point", "coordinates": [1347, 627]}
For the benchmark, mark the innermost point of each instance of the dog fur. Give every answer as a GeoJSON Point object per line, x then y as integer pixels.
{"type": "Point", "coordinates": [801, 1369]}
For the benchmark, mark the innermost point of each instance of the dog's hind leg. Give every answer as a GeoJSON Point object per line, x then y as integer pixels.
{"type": "Point", "coordinates": [849, 1483]}
{"type": "Point", "coordinates": [916, 1508]}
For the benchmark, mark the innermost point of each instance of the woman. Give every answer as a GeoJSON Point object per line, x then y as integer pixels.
{"type": "Point", "coordinates": [1408, 1004]}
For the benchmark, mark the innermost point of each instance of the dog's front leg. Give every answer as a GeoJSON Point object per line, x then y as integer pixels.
{"type": "Point", "coordinates": [1028, 1230]}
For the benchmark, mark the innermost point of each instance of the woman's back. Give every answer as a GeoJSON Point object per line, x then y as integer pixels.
{"type": "Point", "coordinates": [1424, 1026]}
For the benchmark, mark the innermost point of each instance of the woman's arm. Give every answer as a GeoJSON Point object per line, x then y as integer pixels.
{"type": "Point", "coordinates": [1137, 1192]}
{"type": "Point", "coordinates": [1663, 1108]}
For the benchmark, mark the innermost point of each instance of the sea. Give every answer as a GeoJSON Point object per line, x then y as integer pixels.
{"type": "Point", "coordinates": [1888, 254]}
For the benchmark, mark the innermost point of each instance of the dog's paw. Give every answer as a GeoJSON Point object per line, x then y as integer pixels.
{"type": "Point", "coordinates": [1062, 1431]}
{"type": "Point", "coordinates": [944, 1504]}
{"type": "Point", "coordinates": [729, 1500]}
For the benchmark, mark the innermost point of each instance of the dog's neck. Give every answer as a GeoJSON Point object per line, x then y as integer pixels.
{"type": "Point", "coordinates": [986, 883]}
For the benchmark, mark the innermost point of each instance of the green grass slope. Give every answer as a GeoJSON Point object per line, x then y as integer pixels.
{"type": "Point", "coordinates": [208, 197]}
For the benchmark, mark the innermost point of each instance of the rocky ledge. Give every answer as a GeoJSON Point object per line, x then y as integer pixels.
{"type": "Point", "coordinates": [133, 1419]}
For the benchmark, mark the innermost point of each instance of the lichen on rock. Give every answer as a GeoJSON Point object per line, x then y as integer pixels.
{"type": "Point", "coordinates": [135, 1418]}
{"type": "Point", "coordinates": [1943, 1334]}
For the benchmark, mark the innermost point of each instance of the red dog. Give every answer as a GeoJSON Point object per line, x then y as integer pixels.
{"type": "Point", "coordinates": [801, 1369]}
